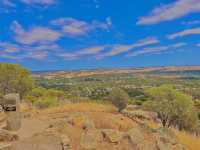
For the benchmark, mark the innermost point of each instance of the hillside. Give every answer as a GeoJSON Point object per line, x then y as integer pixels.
{"type": "Point", "coordinates": [88, 126]}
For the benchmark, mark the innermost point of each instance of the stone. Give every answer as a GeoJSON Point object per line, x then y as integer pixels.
{"type": "Point", "coordinates": [137, 139]}
{"type": "Point", "coordinates": [162, 145]}
{"type": "Point", "coordinates": [65, 142]}
{"type": "Point", "coordinates": [112, 136]}
{"type": "Point", "coordinates": [11, 104]}
{"type": "Point", "coordinates": [81, 121]}
{"type": "Point", "coordinates": [7, 136]}
{"type": "Point", "coordinates": [140, 114]}
{"type": "Point", "coordinates": [135, 135]}
{"type": "Point", "coordinates": [90, 139]}
{"type": "Point", "coordinates": [167, 136]}
{"type": "Point", "coordinates": [5, 146]}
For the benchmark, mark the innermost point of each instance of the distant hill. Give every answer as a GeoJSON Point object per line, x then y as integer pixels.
{"type": "Point", "coordinates": [178, 70]}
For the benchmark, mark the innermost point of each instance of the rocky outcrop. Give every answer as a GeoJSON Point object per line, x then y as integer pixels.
{"type": "Point", "coordinates": [90, 139]}
{"type": "Point", "coordinates": [140, 115]}
{"type": "Point", "coordinates": [5, 146]}
{"type": "Point", "coordinates": [81, 121]}
{"type": "Point", "coordinates": [166, 140]}
{"type": "Point", "coordinates": [7, 136]}
{"type": "Point", "coordinates": [112, 136]}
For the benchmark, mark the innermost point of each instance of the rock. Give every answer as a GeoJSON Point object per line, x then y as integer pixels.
{"type": "Point", "coordinates": [5, 146]}
{"type": "Point", "coordinates": [112, 136]}
{"type": "Point", "coordinates": [7, 136]}
{"type": "Point", "coordinates": [65, 142]}
{"type": "Point", "coordinates": [81, 121]}
{"type": "Point", "coordinates": [166, 140]}
{"type": "Point", "coordinates": [162, 145]}
{"type": "Point", "coordinates": [90, 139]}
{"type": "Point", "coordinates": [135, 135]}
{"type": "Point", "coordinates": [140, 114]}
{"type": "Point", "coordinates": [137, 139]}
{"type": "Point", "coordinates": [39, 142]}
{"type": "Point", "coordinates": [167, 136]}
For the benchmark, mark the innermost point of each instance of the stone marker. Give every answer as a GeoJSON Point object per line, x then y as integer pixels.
{"type": "Point", "coordinates": [11, 105]}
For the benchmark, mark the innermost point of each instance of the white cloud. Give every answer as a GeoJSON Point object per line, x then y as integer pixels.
{"type": "Point", "coordinates": [38, 55]}
{"type": "Point", "coordinates": [194, 22]}
{"type": "Point", "coordinates": [153, 50]}
{"type": "Point", "coordinates": [8, 3]}
{"type": "Point", "coordinates": [68, 56]}
{"type": "Point", "coordinates": [82, 52]}
{"type": "Point", "coordinates": [39, 2]}
{"type": "Point", "coordinates": [172, 11]}
{"type": "Point", "coordinates": [35, 34]}
{"type": "Point", "coordinates": [74, 27]}
{"type": "Point", "coordinates": [9, 47]}
{"type": "Point", "coordinates": [184, 33]}
{"type": "Point", "coordinates": [121, 48]}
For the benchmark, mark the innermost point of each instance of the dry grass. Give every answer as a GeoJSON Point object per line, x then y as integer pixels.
{"type": "Point", "coordinates": [76, 107]}
{"type": "Point", "coordinates": [191, 141]}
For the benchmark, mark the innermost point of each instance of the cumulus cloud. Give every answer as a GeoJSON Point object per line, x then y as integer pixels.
{"type": "Point", "coordinates": [122, 48]}
{"type": "Point", "coordinates": [74, 27]}
{"type": "Point", "coordinates": [171, 11]}
{"type": "Point", "coordinates": [184, 33]}
{"type": "Point", "coordinates": [34, 35]}
{"type": "Point", "coordinates": [153, 50]}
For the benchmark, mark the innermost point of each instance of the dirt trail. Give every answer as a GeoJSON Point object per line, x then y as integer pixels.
{"type": "Point", "coordinates": [32, 126]}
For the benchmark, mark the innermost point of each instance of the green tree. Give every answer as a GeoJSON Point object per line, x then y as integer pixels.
{"type": "Point", "coordinates": [173, 107]}
{"type": "Point", "coordinates": [119, 98]}
{"type": "Point", "coordinates": [14, 78]}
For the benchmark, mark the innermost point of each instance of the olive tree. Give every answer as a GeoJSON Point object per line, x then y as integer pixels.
{"type": "Point", "coordinates": [119, 98]}
{"type": "Point", "coordinates": [14, 79]}
{"type": "Point", "coordinates": [173, 107]}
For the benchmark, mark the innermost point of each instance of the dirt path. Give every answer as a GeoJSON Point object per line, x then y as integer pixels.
{"type": "Point", "coordinates": [32, 126]}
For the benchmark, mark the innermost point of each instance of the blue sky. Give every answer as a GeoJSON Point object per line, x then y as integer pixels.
{"type": "Point", "coordinates": [88, 34]}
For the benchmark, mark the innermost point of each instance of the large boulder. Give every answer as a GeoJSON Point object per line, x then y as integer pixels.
{"type": "Point", "coordinates": [65, 142]}
{"type": "Point", "coordinates": [7, 136]}
{"type": "Point", "coordinates": [90, 139]}
{"type": "Point", "coordinates": [112, 136]}
{"type": "Point", "coordinates": [167, 140]}
{"type": "Point", "coordinates": [4, 146]}
{"type": "Point", "coordinates": [137, 139]}
{"type": "Point", "coordinates": [140, 115]}
{"type": "Point", "coordinates": [81, 120]}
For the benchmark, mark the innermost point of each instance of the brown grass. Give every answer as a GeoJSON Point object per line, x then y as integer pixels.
{"type": "Point", "coordinates": [191, 141]}
{"type": "Point", "coordinates": [75, 107]}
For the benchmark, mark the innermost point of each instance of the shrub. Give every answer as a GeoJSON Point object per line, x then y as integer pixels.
{"type": "Point", "coordinates": [119, 98]}
{"type": "Point", "coordinates": [14, 78]}
{"type": "Point", "coordinates": [173, 107]}
{"type": "Point", "coordinates": [45, 102]}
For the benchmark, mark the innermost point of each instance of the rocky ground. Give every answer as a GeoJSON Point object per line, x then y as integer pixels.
{"type": "Point", "coordinates": [88, 130]}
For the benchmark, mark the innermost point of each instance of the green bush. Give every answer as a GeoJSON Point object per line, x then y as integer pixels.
{"type": "Point", "coordinates": [119, 98]}
{"type": "Point", "coordinates": [45, 102]}
{"type": "Point", "coordinates": [15, 79]}
{"type": "Point", "coordinates": [173, 107]}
